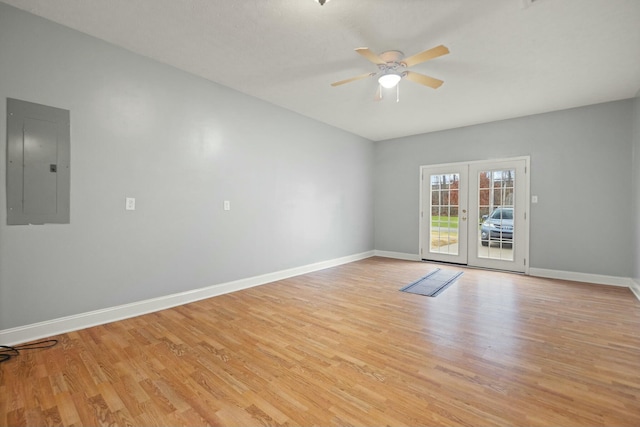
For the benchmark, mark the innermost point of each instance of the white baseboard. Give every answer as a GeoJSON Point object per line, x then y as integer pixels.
{"type": "Point", "coordinates": [543, 272]}
{"type": "Point", "coordinates": [75, 322]}
{"type": "Point", "coordinates": [397, 255]}
{"type": "Point", "coordinates": [634, 285]}
{"type": "Point", "coordinates": [581, 277]}
{"type": "Point", "coordinates": [538, 272]}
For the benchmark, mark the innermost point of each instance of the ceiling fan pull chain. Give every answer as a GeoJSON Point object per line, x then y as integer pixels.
{"type": "Point", "coordinates": [397, 93]}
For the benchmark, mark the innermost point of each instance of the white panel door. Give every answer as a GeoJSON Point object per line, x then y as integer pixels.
{"type": "Point", "coordinates": [444, 213]}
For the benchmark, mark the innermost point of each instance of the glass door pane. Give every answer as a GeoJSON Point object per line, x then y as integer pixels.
{"type": "Point", "coordinates": [444, 223]}
{"type": "Point", "coordinates": [496, 211]}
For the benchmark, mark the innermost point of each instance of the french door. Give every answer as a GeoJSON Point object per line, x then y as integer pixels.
{"type": "Point", "coordinates": [444, 213]}
{"type": "Point", "coordinates": [476, 214]}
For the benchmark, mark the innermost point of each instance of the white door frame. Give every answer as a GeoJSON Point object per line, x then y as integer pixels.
{"type": "Point", "coordinates": [527, 206]}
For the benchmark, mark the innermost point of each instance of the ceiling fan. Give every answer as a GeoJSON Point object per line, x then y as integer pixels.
{"type": "Point", "coordinates": [392, 67]}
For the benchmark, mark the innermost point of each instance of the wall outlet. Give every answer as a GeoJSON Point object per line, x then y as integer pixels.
{"type": "Point", "coordinates": [130, 204]}
{"type": "Point", "coordinates": [227, 205]}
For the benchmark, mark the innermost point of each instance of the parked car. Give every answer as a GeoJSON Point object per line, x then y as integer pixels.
{"type": "Point", "coordinates": [497, 227]}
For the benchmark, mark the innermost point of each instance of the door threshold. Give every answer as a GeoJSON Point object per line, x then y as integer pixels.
{"type": "Point", "coordinates": [520, 273]}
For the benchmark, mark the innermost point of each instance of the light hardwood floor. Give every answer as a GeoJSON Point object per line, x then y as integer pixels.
{"type": "Point", "coordinates": [343, 346]}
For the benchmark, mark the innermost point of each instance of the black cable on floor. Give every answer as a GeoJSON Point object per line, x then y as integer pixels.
{"type": "Point", "coordinates": [7, 352]}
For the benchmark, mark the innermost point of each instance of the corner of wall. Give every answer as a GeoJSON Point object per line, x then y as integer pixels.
{"type": "Point", "coordinates": [397, 255]}
{"type": "Point", "coordinates": [634, 285]}
{"type": "Point", "coordinates": [635, 185]}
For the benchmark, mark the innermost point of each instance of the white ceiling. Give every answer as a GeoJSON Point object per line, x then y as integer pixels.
{"type": "Point", "coordinates": [508, 58]}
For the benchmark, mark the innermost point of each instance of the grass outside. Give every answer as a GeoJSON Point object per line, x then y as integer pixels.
{"type": "Point", "coordinates": [444, 221]}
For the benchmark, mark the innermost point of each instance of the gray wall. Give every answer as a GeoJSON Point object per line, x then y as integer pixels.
{"type": "Point", "coordinates": [580, 171]}
{"type": "Point", "coordinates": [300, 191]}
{"type": "Point", "coordinates": [636, 189]}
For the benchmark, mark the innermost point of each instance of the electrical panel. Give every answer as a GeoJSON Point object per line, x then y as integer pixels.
{"type": "Point", "coordinates": [38, 169]}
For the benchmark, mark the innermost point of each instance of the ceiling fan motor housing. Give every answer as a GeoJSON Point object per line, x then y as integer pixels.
{"type": "Point", "coordinates": [391, 72]}
{"type": "Point", "coordinates": [392, 56]}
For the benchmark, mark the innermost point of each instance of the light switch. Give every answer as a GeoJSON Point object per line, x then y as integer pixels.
{"type": "Point", "coordinates": [227, 205]}
{"type": "Point", "coordinates": [130, 204]}
{"type": "Point", "coordinates": [534, 199]}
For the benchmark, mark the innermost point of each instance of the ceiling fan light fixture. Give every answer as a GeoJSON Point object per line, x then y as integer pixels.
{"type": "Point", "coordinates": [389, 80]}
{"type": "Point", "coordinates": [322, 2]}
